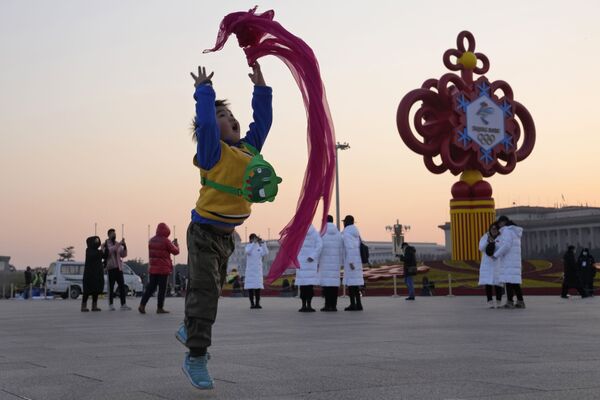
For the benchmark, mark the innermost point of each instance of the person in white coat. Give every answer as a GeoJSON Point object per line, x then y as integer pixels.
{"type": "Point", "coordinates": [307, 275]}
{"type": "Point", "coordinates": [489, 268]}
{"type": "Point", "coordinates": [508, 253]}
{"type": "Point", "coordinates": [330, 264]}
{"type": "Point", "coordinates": [253, 280]}
{"type": "Point", "coordinates": [353, 273]}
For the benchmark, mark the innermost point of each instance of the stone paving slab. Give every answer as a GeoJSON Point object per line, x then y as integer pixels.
{"type": "Point", "coordinates": [434, 348]}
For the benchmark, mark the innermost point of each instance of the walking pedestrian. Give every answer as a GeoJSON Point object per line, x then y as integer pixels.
{"type": "Point", "coordinates": [160, 249]}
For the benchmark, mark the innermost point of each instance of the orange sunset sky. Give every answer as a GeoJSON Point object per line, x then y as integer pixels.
{"type": "Point", "coordinates": [96, 103]}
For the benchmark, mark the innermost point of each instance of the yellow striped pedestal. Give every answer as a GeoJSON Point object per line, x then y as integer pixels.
{"type": "Point", "coordinates": [469, 220]}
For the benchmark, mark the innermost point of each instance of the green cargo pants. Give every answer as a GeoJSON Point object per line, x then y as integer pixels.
{"type": "Point", "coordinates": [208, 253]}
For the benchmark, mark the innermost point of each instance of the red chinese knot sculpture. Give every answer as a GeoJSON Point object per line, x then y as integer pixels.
{"type": "Point", "coordinates": [470, 124]}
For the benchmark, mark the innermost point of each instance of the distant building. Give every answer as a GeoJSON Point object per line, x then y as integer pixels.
{"type": "Point", "coordinates": [547, 231]}
{"type": "Point", "coordinates": [5, 265]}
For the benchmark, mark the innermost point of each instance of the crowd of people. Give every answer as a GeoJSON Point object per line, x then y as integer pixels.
{"type": "Point", "coordinates": [501, 266]}
{"type": "Point", "coordinates": [321, 260]}
{"type": "Point", "coordinates": [35, 280]}
{"type": "Point", "coordinates": [107, 256]}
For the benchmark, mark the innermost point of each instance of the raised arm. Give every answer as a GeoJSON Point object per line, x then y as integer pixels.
{"type": "Point", "coordinates": [205, 127]}
{"type": "Point", "coordinates": [262, 107]}
{"type": "Point", "coordinates": [249, 248]}
{"type": "Point", "coordinates": [265, 249]}
{"type": "Point", "coordinates": [172, 247]}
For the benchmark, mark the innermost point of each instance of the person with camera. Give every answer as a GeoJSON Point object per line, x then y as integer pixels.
{"type": "Point", "coordinates": [160, 249]}
{"type": "Point", "coordinates": [255, 250]}
{"type": "Point", "coordinates": [409, 257]}
{"type": "Point", "coordinates": [114, 252]}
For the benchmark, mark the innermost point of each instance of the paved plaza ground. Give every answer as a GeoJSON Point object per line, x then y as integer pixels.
{"type": "Point", "coordinates": [433, 348]}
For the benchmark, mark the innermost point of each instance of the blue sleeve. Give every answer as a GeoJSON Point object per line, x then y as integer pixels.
{"type": "Point", "coordinates": [207, 131]}
{"type": "Point", "coordinates": [262, 108]}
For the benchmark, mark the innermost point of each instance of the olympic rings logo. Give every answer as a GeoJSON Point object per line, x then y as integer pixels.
{"type": "Point", "coordinates": [486, 138]}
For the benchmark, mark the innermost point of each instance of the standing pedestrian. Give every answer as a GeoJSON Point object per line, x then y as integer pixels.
{"type": "Point", "coordinates": [160, 249]}
{"type": "Point", "coordinates": [93, 274]}
{"type": "Point", "coordinates": [409, 257]}
{"type": "Point", "coordinates": [253, 283]}
{"type": "Point", "coordinates": [28, 282]}
{"type": "Point", "coordinates": [307, 275]}
{"type": "Point", "coordinates": [330, 264]}
{"type": "Point", "coordinates": [571, 275]}
{"type": "Point", "coordinates": [587, 271]}
{"type": "Point", "coordinates": [113, 253]}
{"type": "Point", "coordinates": [489, 268]}
{"type": "Point", "coordinates": [508, 251]}
{"type": "Point", "coordinates": [353, 273]}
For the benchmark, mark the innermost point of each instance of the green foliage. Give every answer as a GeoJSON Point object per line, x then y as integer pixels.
{"type": "Point", "coordinates": [67, 254]}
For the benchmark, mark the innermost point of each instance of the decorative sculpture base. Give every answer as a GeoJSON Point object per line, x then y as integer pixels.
{"type": "Point", "coordinates": [472, 210]}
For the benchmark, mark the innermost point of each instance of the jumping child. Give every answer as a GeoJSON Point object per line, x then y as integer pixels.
{"type": "Point", "coordinates": [222, 159]}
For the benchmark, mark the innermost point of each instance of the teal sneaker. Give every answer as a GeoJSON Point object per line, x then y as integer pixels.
{"type": "Point", "coordinates": [197, 372]}
{"type": "Point", "coordinates": [181, 334]}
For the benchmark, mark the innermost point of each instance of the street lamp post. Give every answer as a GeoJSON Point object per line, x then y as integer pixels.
{"type": "Point", "coordinates": [340, 146]}
{"type": "Point", "coordinates": [398, 231]}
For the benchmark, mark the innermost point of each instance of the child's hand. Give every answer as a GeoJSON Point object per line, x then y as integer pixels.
{"type": "Point", "coordinates": [256, 76]}
{"type": "Point", "coordinates": [202, 78]}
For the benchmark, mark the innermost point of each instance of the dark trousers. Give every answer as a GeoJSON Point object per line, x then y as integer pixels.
{"type": "Point", "coordinates": [331, 295]}
{"type": "Point", "coordinates": [587, 283]}
{"type": "Point", "coordinates": [307, 292]}
{"type": "Point", "coordinates": [85, 297]}
{"type": "Point", "coordinates": [568, 285]}
{"type": "Point", "coordinates": [408, 279]}
{"type": "Point", "coordinates": [254, 296]}
{"type": "Point", "coordinates": [489, 289]}
{"type": "Point", "coordinates": [354, 294]}
{"type": "Point", "coordinates": [514, 289]}
{"type": "Point", "coordinates": [155, 281]}
{"type": "Point", "coordinates": [116, 275]}
{"type": "Point", "coordinates": [208, 253]}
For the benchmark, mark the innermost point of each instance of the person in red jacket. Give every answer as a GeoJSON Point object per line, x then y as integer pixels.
{"type": "Point", "coordinates": [160, 267]}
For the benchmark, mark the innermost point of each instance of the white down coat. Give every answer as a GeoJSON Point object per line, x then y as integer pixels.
{"type": "Point", "coordinates": [508, 253]}
{"type": "Point", "coordinates": [489, 269]}
{"type": "Point", "coordinates": [332, 257]}
{"type": "Point", "coordinates": [352, 277]}
{"type": "Point", "coordinates": [254, 266]}
{"type": "Point", "coordinates": [307, 274]}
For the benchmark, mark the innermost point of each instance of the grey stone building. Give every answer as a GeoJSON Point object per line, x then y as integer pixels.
{"type": "Point", "coordinates": [547, 231]}
{"type": "Point", "coordinates": [4, 264]}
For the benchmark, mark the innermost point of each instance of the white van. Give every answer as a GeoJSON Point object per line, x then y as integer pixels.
{"type": "Point", "coordinates": [66, 278]}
